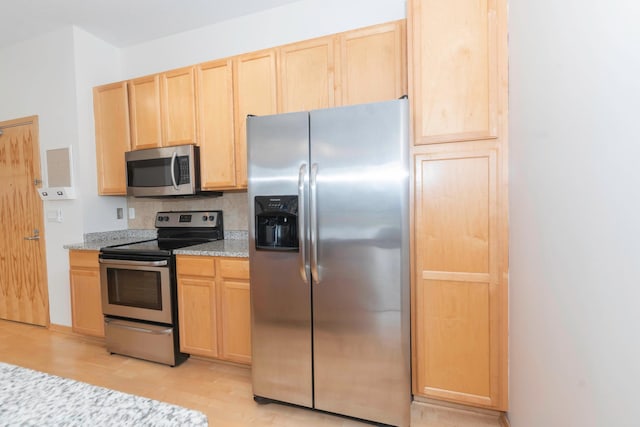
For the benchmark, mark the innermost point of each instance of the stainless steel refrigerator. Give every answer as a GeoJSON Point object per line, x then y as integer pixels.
{"type": "Point", "coordinates": [329, 255]}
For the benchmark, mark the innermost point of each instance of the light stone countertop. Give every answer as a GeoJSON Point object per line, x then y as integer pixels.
{"type": "Point", "coordinates": [236, 243]}
{"type": "Point", "coordinates": [229, 248]}
{"type": "Point", "coordinates": [97, 241]}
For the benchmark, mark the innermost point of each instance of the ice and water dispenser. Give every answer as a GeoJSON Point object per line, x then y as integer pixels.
{"type": "Point", "coordinates": [276, 223]}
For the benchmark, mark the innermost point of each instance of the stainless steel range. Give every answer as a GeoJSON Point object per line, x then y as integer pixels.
{"type": "Point", "coordinates": [139, 290]}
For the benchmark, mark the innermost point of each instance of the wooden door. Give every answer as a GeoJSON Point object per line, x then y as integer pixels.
{"type": "Point", "coordinates": [23, 278]}
{"type": "Point", "coordinates": [306, 74]}
{"type": "Point", "coordinates": [236, 310]}
{"type": "Point", "coordinates": [179, 107]}
{"type": "Point", "coordinates": [86, 298]}
{"type": "Point", "coordinates": [215, 109]}
{"type": "Point", "coordinates": [113, 138]}
{"type": "Point", "coordinates": [144, 107]}
{"type": "Point", "coordinates": [373, 63]}
{"type": "Point", "coordinates": [255, 93]}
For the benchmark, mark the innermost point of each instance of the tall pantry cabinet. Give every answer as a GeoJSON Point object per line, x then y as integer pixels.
{"type": "Point", "coordinates": [458, 94]}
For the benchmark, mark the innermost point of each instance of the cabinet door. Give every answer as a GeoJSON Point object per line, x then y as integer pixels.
{"type": "Point", "coordinates": [86, 302]}
{"type": "Point", "coordinates": [306, 75]}
{"type": "Point", "coordinates": [144, 106]}
{"type": "Point", "coordinates": [217, 141]}
{"type": "Point", "coordinates": [458, 64]}
{"type": "Point", "coordinates": [373, 63]}
{"type": "Point", "coordinates": [197, 309]}
{"type": "Point", "coordinates": [197, 313]}
{"type": "Point", "coordinates": [236, 310]}
{"type": "Point", "coordinates": [460, 305]}
{"type": "Point", "coordinates": [178, 107]}
{"type": "Point", "coordinates": [111, 114]}
{"type": "Point", "coordinates": [255, 93]}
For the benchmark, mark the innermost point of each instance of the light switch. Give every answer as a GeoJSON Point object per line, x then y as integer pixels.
{"type": "Point", "coordinates": [54, 215]}
{"type": "Point", "coordinates": [132, 213]}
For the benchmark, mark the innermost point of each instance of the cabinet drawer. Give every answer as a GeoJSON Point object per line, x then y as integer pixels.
{"type": "Point", "coordinates": [84, 259]}
{"type": "Point", "coordinates": [188, 265]}
{"type": "Point", "coordinates": [234, 268]}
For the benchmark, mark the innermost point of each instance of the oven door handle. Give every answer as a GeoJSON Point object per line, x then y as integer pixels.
{"type": "Point", "coordinates": [115, 323]}
{"type": "Point", "coordinates": [128, 262]}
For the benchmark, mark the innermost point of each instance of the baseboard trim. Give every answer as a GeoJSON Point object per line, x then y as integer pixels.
{"type": "Point", "coordinates": [68, 330]}
{"type": "Point", "coordinates": [428, 412]}
{"type": "Point", "coordinates": [504, 421]}
{"type": "Point", "coordinates": [61, 329]}
{"type": "Point", "coordinates": [453, 405]}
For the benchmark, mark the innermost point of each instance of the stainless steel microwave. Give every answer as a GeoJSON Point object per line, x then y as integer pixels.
{"type": "Point", "coordinates": [166, 171]}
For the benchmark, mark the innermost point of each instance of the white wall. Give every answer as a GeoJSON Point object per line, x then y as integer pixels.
{"type": "Point", "coordinates": [286, 24]}
{"type": "Point", "coordinates": [96, 62]}
{"type": "Point", "coordinates": [37, 78]}
{"type": "Point", "coordinates": [52, 76]}
{"type": "Point", "coordinates": [575, 213]}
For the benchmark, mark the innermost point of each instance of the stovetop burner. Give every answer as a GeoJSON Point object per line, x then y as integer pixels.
{"type": "Point", "coordinates": [176, 230]}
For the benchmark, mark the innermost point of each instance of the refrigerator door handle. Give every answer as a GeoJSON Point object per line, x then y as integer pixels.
{"type": "Point", "coordinates": [313, 215]}
{"type": "Point", "coordinates": [302, 235]}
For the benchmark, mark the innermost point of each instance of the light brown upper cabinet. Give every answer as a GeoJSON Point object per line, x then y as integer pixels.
{"type": "Point", "coordinates": [458, 68]}
{"type": "Point", "coordinates": [216, 132]}
{"type": "Point", "coordinates": [373, 64]}
{"type": "Point", "coordinates": [144, 106]}
{"type": "Point", "coordinates": [111, 114]}
{"type": "Point", "coordinates": [163, 109]}
{"type": "Point", "coordinates": [306, 74]}
{"type": "Point", "coordinates": [255, 91]}
{"type": "Point", "coordinates": [178, 107]}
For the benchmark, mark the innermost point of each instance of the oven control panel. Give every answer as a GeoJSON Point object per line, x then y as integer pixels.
{"type": "Point", "coordinates": [209, 219]}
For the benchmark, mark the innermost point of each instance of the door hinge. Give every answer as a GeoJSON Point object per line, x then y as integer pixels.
{"type": "Point", "coordinates": [37, 181]}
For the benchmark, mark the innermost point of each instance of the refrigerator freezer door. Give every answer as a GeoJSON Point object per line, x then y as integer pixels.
{"type": "Point", "coordinates": [361, 292]}
{"type": "Point", "coordinates": [280, 299]}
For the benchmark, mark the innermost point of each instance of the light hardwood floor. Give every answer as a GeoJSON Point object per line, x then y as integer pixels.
{"type": "Point", "coordinates": [220, 390]}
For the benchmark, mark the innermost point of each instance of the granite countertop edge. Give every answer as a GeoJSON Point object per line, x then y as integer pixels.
{"type": "Point", "coordinates": [235, 243]}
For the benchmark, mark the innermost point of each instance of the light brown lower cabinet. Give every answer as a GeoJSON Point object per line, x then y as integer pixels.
{"type": "Point", "coordinates": [460, 293]}
{"type": "Point", "coordinates": [213, 306]}
{"type": "Point", "coordinates": [86, 305]}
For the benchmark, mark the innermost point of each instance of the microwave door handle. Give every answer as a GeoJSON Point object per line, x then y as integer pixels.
{"type": "Point", "coordinates": [173, 171]}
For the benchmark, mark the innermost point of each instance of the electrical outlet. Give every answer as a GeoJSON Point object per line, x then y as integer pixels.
{"type": "Point", "coordinates": [132, 213]}
{"type": "Point", "coordinates": [119, 213]}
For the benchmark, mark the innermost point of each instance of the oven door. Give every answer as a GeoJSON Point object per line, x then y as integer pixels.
{"type": "Point", "coordinates": [138, 290]}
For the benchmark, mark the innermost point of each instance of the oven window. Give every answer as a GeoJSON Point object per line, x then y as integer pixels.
{"type": "Point", "coordinates": [134, 288]}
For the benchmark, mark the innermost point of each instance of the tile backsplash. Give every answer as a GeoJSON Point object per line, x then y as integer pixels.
{"type": "Point", "coordinates": [234, 207]}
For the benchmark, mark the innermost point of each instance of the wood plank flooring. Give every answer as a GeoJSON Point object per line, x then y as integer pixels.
{"type": "Point", "coordinates": [220, 390]}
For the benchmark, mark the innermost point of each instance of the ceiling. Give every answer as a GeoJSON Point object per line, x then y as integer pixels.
{"type": "Point", "coordinates": [120, 23]}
